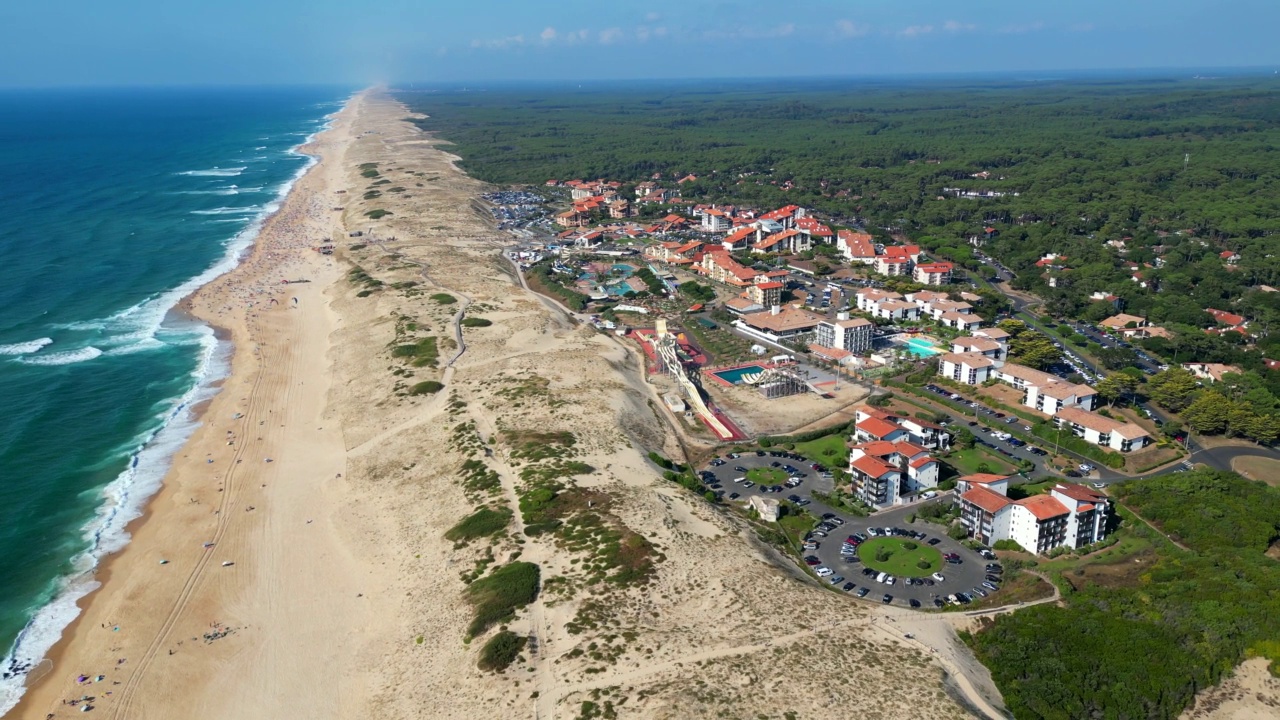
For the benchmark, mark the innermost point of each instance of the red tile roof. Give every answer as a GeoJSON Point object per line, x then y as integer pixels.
{"type": "Point", "coordinates": [868, 465]}
{"type": "Point", "coordinates": [987, 500]}
{"type": "Point", "coordinates": [983, 478]}
{"type": "Point", "coordinates": [902, 251]}
{"type": "Point", "coordinates": [1078, 492]}
{"type": "Point", "coordinates": [1043, 507]}
{"type": "Point", "coordinates": [878, 428]}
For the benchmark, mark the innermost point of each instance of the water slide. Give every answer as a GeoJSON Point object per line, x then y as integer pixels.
{"type": "Point", "coordinates": [665, 343]}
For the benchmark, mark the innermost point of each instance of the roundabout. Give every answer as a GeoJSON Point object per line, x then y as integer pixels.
{"type": "Point", "coordinates": [901, 557]}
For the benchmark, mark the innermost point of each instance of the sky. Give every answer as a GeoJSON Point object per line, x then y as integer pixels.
{"type": "Point", "coordinates": [184, 42]}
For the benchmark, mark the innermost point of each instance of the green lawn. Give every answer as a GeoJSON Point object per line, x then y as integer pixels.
{"type": "Point", "coordinates": [903, 559]}
{"type": "Point", "coordinates": [766, 476]}
{"type": "Point", "coordinates": [1029, 489]}
{"type": "Point", "coordinates": [967, 462]}
{"type": "Point", "coordinates": [831, 450]}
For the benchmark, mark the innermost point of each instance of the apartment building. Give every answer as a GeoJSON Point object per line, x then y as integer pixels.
{"type": "Point", "coordinates": [1103, 431]}
{"type": "Point", "coordinates": [970, 368]}
{"type": "Point", "coordinates": [845, 333]}
{"type": "Point", "coordinates": [1068, 515]}
{"type": "Point", "coordinates": [1044, 392]}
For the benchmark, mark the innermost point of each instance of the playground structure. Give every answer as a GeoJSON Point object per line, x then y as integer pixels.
{"type": "Point", "coordinates": [667, 354]}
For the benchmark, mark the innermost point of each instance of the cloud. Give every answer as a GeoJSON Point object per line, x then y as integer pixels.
{"type": "Point", "coordinates": [849, 28]}
{"type": "Point", "coordinates": [653, 17]}
{"type": "Point", "coordinates": [954, 26]}
{"type": "Point", "coordinates": [548, 35]}
{"type": "Point", "coordinates": [1023, 28]}
{"type": "Point", "coordinates": [610, 36]}
{"type": "Point", "coordinates": [916, 30]}
{"type": "Point", "coordinates": [500, 43]}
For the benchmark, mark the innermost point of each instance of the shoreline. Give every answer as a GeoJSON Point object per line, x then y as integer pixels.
{"type": "Point", "coordinates": [239, 331]}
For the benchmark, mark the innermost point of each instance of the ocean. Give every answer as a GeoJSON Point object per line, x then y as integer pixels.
{"type": "Point", "coordinates": [116, 204]}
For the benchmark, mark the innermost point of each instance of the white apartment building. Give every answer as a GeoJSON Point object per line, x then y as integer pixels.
{"type": "Point", "coordinates": [1069, 515]}
{"type": "Point", "coordinates": [1044, 392]}
{"type": "Point", "coordinates": [968, 368]}
{"type": "Point", "coordinates": [845, 333]}
{"type": "Point", "coordinates": [1103, 431]}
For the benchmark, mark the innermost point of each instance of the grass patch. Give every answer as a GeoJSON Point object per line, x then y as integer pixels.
{"type": "Point", "coordinates": [899, 556]}
{"type": "Point", "coordinates": [370, 173]}
{"type": "Point", "coordinates": [535, 446]}
{"type": "Point", "coordinates": [476, 322]}
{"type": "Point", "coordinates": [378, 213]}
{"type": "Point", "coordinates": [766, 476]}
{"type": "Point", "coordinates": [501, 650]}
{"type": "Point", "coordinates": [372, 195]}
{"type": "Point", "coordinates": [444, 298]}
{"type": "Point", "coordinates": [969, 460]}
{"type": "Point", "coordinates": [426, 387]}
{"type": "Point", "coordinates": [831, 451]}
{"type": "Point", "coordinates": [1027, 490]}
{"type": "Point", "coordinates": [421, 353]}
{"type": "Point", "coordinates": [478, 478]}
{"type": "Point", "coordinates": [496, 597]}
{"type": "Point", "coordinates": [481, 523]}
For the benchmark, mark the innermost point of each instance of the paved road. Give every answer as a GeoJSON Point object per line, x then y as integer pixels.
{"type": "Point", "coordinates": [958, 578]}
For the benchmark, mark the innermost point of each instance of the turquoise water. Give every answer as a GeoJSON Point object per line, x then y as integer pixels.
{"type": "Point", "coordinates": [734, 376]}
{"type": "Point", "coordinates": [117, 204]}
{"type": "Point", "coordinates": [922, 348]}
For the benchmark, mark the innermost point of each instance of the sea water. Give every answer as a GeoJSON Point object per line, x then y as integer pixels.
{"type": "Point", "coordinates": [114, 205]}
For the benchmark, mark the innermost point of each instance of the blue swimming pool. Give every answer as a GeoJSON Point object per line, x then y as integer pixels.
{"type": "Point", "coordinates": [922, 347]}
{"type": "Point", "coordinates": [733, 376]}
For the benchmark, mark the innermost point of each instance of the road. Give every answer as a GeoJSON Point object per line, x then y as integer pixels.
{"type": "Point", "coordinates": [961, 577]}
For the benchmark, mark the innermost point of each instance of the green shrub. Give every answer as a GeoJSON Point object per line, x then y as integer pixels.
{"type": "Point", "coordinates": [426, 387]}
{"type": "Point", "coordinates": [476, 322]}
{"type": "Point", "coordinates": [483, 522]}
{"type": "Point", "coordinates": [496, 597]}
{"type": "Point", "coordinates": [1008, 545]}
{"type": "Point", "coordinates": [378, 213]}
{"type": "Point", "coordinates": [444, 298]}
{"type": "Point", "coordinates": [501, 650]}
{"type": "Point", "coordinates": [421, 353]}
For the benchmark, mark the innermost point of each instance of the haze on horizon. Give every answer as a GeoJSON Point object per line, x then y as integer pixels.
{"type": "Point", "coordinates": [158, 42]}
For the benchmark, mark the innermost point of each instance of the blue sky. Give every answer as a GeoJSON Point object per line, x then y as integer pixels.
{"type": "Point", "coordinates": [112, 42]}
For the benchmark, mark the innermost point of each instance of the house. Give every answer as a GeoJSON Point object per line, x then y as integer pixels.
{"type": "Point", "coordinates": [765, 294]}
{"type": "Point", "coordinates": [960, 321]}
{"type": "Point", "coordinates": [1122, 321]}
{"type": "Point", "coordinates": [721, 267]}
{"type": "Point", "coordinates": [1212, 372]}
{"type": "Point", "coordinates": [996, 334]}
{"type": "Point", "coordinates": [845, 333]}
{"type": "Point", "coordinates": [572, 218]}
{"type": "Point", "coordinates": [919, 432]}
{"type": "Point", "coordinates": [970, 368]}
{"type": "Point", "coordinates": [1069, 515]}
{"type": "Point", "coordinates": [933, 273]}
{"type": "Point", "coordinates": [716, 220]}
{"type": "Point", "coordinates": [934, 308]}
{"type": "Point", "coordinates": [908, 252]}
{"type": "Point", "coordinates": [814, 230]}
{"type": "Point", "coordinates": [779, 324]}
{"type": "Point", "coordinates": [1225, 318]}
{"type": "Point", "coordinates": [785, 216]}
{"type": "Point", "coordinates": [1230, 257]}
{"type": "Point", "coordinates": [883, 473]}
{"type": "Point", "coordinates": [925, 298]}
{"type": "Point", "coordinates": [993, 349]}
{"type": "Point", "coordinates": [1103, 431]}
{"type": "Point", "coordinates": [856, 247]}
{"type": "Point", "coordinates": [743, 306]}
{"type": "Point", "coordinates": [1044, 392]}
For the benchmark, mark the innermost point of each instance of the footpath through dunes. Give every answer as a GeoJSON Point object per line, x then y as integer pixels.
{"type": "Point", "coordinates": [539, 564]}
{"type": "Point", "coordinates": [244, 586]}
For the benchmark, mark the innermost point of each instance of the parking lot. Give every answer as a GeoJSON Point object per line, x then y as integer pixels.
{"type": "Point", "coordinates": [826, 544]}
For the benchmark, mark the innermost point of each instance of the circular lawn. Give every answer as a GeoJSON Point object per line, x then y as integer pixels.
{"type": "Point", "coordinates": [767, 476]}
{"type": "Point", "coordinates": [899, 556]}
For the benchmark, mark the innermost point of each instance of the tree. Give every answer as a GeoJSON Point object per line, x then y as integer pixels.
{"type": "Point", "coordinates": [1172, 389]}
{"type": "Point", "coordinates": [1034, 350]}
{"type": "Point", "coordinates": [962, 438]}
{"type": "Point", "coordinates": [1114, 387]}
{"type": "Point", "coordinates": [1208, 414]}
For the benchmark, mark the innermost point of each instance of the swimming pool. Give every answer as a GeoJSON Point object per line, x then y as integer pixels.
{"type": "Point", "coordinates": [733, 376]}
{"type": "Point", "coordinates": [922, 347]}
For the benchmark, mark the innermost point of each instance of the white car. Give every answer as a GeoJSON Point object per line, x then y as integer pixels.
{"type": "Point", "coordinates": [890, 580]}
{"type": "Point", "coordinates": [880, 578]}
{"type": "Point", "coordinates": [939, 577]}
{"type": "Point", "coordinates": [1085, 467]}
{"type": "Point", "coordinates": [822, 571]}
